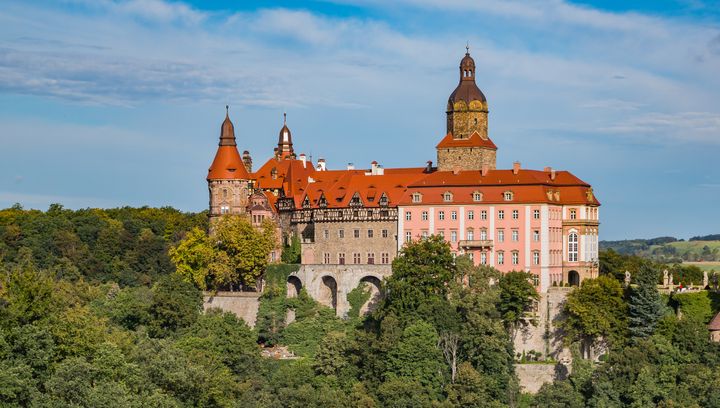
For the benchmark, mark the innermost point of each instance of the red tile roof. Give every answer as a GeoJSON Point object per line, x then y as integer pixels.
{"type": "Point", "coordinates": [227, 165]}
{"type": "Point", "coordinates": [473, 141]}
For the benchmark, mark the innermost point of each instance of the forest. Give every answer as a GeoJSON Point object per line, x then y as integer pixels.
{"type": "Point", "coordinates": [95, 313]}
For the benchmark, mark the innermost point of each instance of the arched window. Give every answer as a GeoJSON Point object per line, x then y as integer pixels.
{"type": "Point", "coordinates": [573, 247]}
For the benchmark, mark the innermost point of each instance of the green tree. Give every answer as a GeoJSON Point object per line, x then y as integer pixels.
{"type": "Point", "coordinates": [247, 249]}
{"type": "Point", "coordinates": [645, 305]}
{"type": "Point", "coordinates": [291, 253]}
{"type": "Point", "coordinates": [595, 312]}
{"type": "Point", "coordinates": [517, 295]}
{"type": "Point", "coordinates": [176, 304]}
{"type": "Point", "coordinates": [416, 356]}
{"type": "Point", "coordinates": [195, 258]}
{"type": "Point", "coordinates": [420, 281]}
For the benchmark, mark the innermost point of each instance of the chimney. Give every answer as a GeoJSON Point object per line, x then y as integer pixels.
{"type": "Point", "coordinates": [484, 170]}
{"type": "Point", "coordinates": [321, 164]}
{"type": "Point", "coordinates": [350, 166]}
{"type": "Point", "coordinates": [516, 167]}
{"type": "Point", "coordinates": [376, 169]}
{"type": "Point", "coordinates": [428, 166]}
{"type": "Point", "coordinates": [303, 159]}
{"type": "Point", "coordinates": [247, 161]}
{"type": "Point", "coordinates": [552, 174]}
{"type": "Point", "coordinates": [456, 170]}
{"type": "Point", "coordinates": [547, 169]}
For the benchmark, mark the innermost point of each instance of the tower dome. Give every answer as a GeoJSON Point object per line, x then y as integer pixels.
{"type": "Point", "coordinates": [285, 145]}
{"type": "Point", "coordinates": [467, 90]}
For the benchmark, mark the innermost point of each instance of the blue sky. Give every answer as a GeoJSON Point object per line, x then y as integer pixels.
{"type": "Point", "coordinates": [119, 102]}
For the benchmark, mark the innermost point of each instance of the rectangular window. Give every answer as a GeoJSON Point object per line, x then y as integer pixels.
{"type": "Point", "coordinates": [341, 234]}
{"type": "Point", "coordinates": [573, 214]}
{"type": "Point", "coordinates": [471, 215]}
{"type": "Point", "coordinates": [515, 258]}
{"type": "Point", "coordinates": [453, 215]}
{"type": "Point", "coordinates": [370, 233]}
{"type": "Point", "coordinates": [441, 233]}
{"type": "Point", "coordinates": [515, 214]}
{"type": "Point", "coordinates": [341, 258]}
{"type": "Point", "coordinates": [408, 215]}
{"type": "Point", "coordinates": [385, 258]}
{"type": "Point", "coordinates": [501, 258]}
{"type": "Point", "coordinates": [483, 215]}
{"type": "Point", "coordinates": [536, 235]}
{"type": "Point", "coordinates": [356, 233]}
{"type": "Point", "coordinates": [453, 236]}
{"type": "Point", "coordinates": [483, 258]}
{"type": "Point", "coordinates": [326, 257]}
{"type": "Point", "coordinates": [384, 233]}
{"type": "Point", "coordinates": [356, 258]}
{"type": "Point", "coordinates": [371, 258]}
{"type": "Point", "coordinates": [326, 234]}
{"type": "Point", "coordinates": [501, 215]}
{"type": "Point", "coordinates": [536, 258]}
{"type": "Point", "coordinates": [483, 234]}
{"type": "Point", "coordinates": [424, 216]}
{"type": "Point", "coordinates": [425, 234]}
{"type": "Point", "coordinates": [536, 214]}
{"type": "Point", "coordinates": [470, 235]}
{"type": "Point", "coordinates": [515, 235]}
{"type": "Point", "coordinates": [441, 215]}
{"type": "Point", "coordinates": [408, 236]}
{"type": "Point", "coordinates": [501, 235]}
{"type": "Point", "coordinates": [471, 255]}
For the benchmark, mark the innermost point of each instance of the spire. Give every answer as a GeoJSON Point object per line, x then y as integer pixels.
{"type": "Point", "coordinates": [227, 130]}
{"type": "Point", "coordinates": [467, 90]}
{"type": "Point", "coordinates": [285, 145]}
{"type": "Point", "coordinates": [227, 163]}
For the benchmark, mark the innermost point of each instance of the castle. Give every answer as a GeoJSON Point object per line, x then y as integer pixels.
{"type": "Point", "coordinates": [353, 222]}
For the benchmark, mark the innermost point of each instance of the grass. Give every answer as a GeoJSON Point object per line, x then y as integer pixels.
{"type": "Point", "coordinates": [706, 266]}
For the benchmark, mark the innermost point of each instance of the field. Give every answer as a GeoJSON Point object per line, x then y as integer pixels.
{"type": "Point", "coordinates": [706, 266]}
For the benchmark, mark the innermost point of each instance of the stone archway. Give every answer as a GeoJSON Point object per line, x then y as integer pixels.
{"type": "Point", "coordinates": [328, 292]}
{"type": "Point", "coordinates": [372, 283]}
{"type": "Point", "coordinates": [574, 278]}
{"type": "Point", "coordinates": [294, 286]}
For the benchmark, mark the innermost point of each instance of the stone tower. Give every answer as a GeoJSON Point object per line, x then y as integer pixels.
{"type": "Point", "coordinates": [228, 179]}
{"type": "Point", "coordinates": [466, 145]}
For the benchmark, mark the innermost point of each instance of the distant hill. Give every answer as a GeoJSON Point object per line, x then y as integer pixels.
{"type": "Point", "coordinates": [669, 249]}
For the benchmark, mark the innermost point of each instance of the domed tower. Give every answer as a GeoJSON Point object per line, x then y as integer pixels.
{"type": "Point", "coordinates": [466, 145]}
{"type": "Point", "coordinates": [285, 146]}
{"type": "Point", "coordinates": [228, 179]}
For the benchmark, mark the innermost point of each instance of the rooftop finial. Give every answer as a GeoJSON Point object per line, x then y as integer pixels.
{"type": "Point", "coordinates": [227, 110]}
{"type": "Point", "coordinates": [467, 48]}
{"type": "Point", "coordinates": [284, 118]}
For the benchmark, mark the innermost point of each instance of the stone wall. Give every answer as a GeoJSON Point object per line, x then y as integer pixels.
{"type": "Point", "coordinates": [465, 158]}
{"type": "Point", "coordinates": [328, 240]}
{"type": "Point", "coordinates": [546, 336]}
{"type": "Point", "coordinates": [532, 376]}
{"type": "Point", "coordinates": [243, 304]}
{"type": "Point", "coordinates": [464, 120]}
{"type": "Point", "coordinates": [330, 284]}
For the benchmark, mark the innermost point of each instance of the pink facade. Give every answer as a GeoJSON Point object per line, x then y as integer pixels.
{"type": "Point", "coordinates": [513, 236]}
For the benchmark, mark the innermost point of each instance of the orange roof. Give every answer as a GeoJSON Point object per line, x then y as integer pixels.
{"type": "Point", "coordinates": [227, 165]}
{"type": "Point", "coordinates": [527, 186]}
{"type": "Point", "coordinates": [290, 175]}
{"type": "Point", "coordinates": [473, 141]}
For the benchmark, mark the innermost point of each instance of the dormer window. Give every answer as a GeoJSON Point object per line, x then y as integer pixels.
{"type": "Point", "coordinates": [573, 214]}
{"type": "Point", "coordinates": [306, 202]}
{"type": "Point", "coordinates": [477, 196]}
{"type": "Point", "coordinates": [322, 203]}
{"type": "Point", "coordinates": [508, 196]}
{"type": "Point", "coordinates": [356, 201]}
{"type": "Point", "coordinates": [447, 197]}
{"type": "Point", "coordinates": [383, 200]}
{"type": "Point", "coordinates": [273, 173]}
{"type": "Point", "coordinates": [417, 198]}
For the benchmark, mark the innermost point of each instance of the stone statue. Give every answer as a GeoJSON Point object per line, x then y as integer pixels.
{"type": "Point", "coordinates": [666, 281]}
{"type": "Point", "coordinates": [705, 279]}
{"type": "Point", "coordinates": [627, 278]}
{"type": "Point", "coordinates": [670, 280]}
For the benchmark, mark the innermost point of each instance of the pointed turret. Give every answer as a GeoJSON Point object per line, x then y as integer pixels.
{"type": "Point", "coordinates": [227, 164]}
{"type": "Point", "coordinates": [285, 146]}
